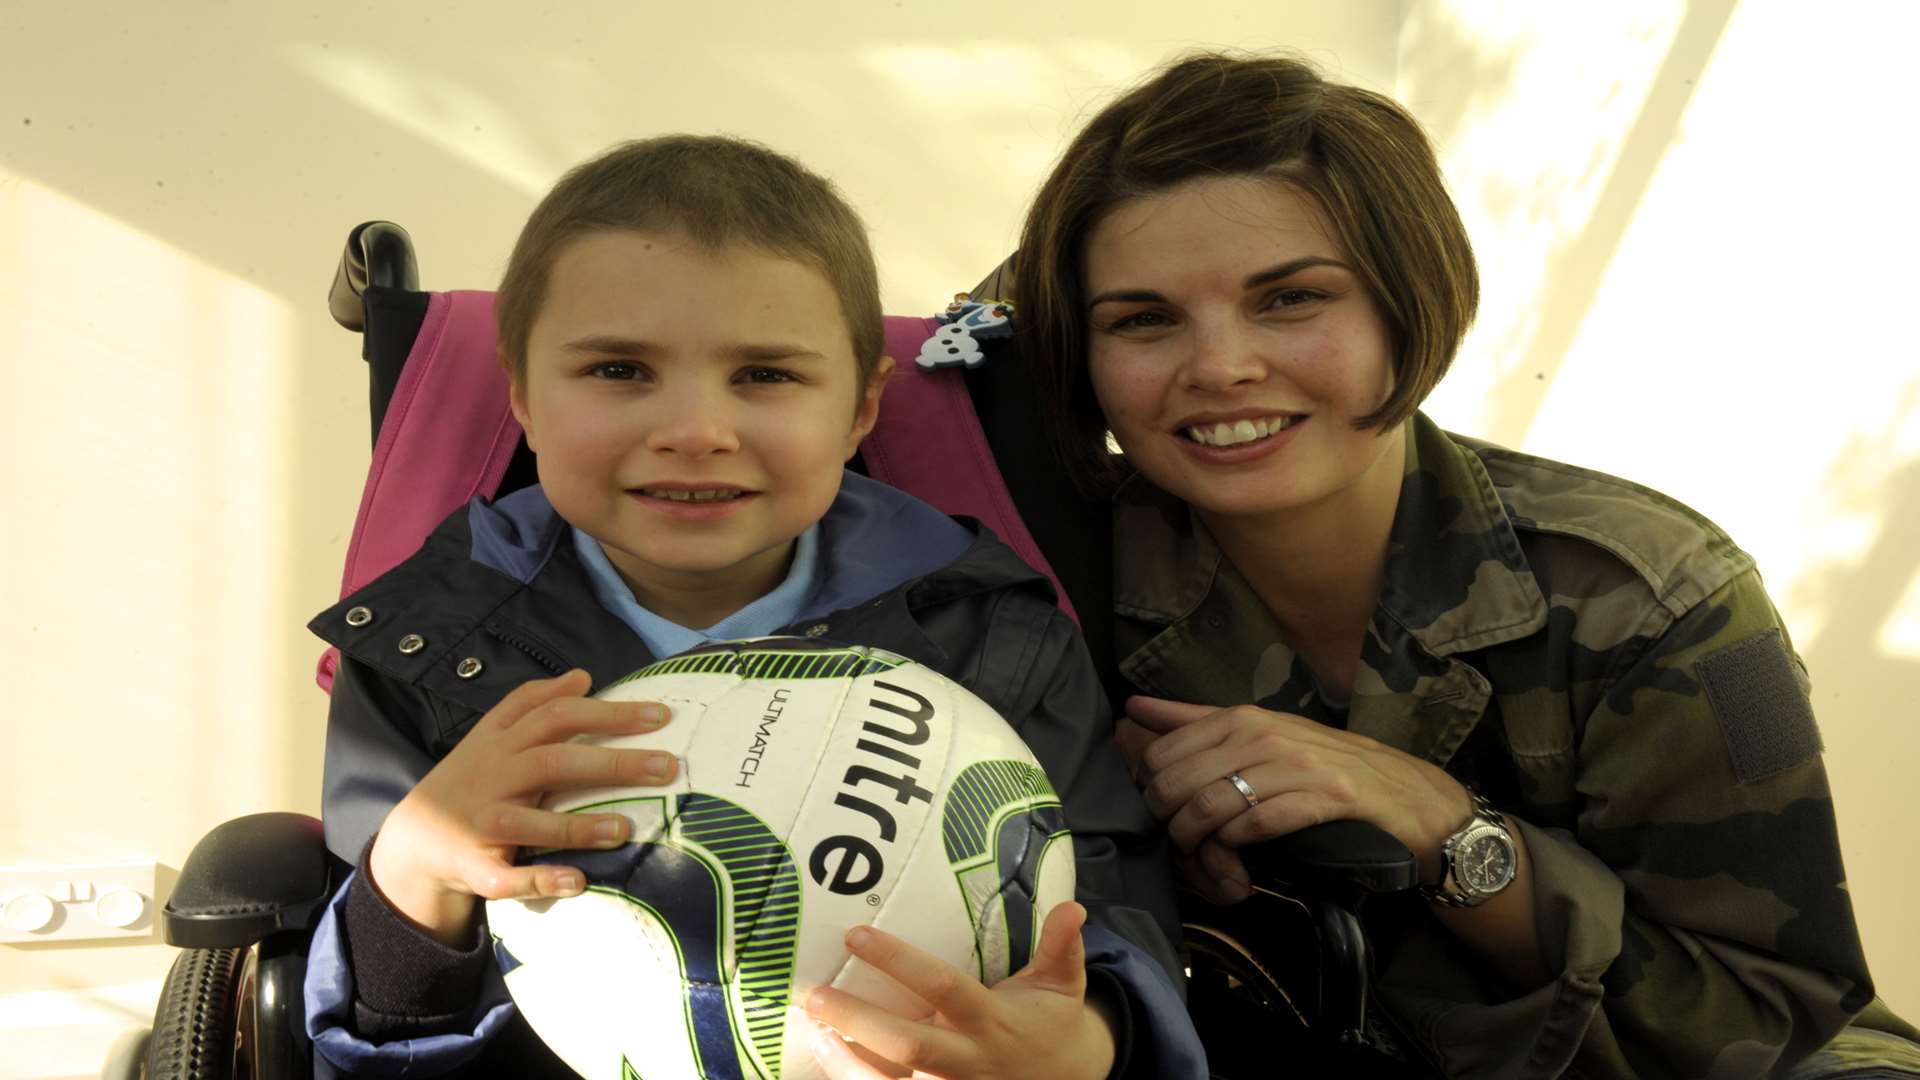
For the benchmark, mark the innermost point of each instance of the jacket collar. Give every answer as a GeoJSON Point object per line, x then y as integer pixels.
{"type": "Point", "coordinates": [1455, 581]}
{"type": "Point", "coordinates": [526, 608]}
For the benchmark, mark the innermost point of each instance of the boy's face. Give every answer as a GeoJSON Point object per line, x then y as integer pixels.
{"type": "Point", "coordinates": [692, 411]}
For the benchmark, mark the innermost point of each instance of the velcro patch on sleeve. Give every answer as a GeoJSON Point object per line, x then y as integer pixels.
{"type": "Point", "coordinates": [1762, 708]}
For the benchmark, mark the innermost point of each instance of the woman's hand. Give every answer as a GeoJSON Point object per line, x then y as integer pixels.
{"type": "Point", "coordinates": [453, 838]}
{"type": "Point", "coordinates": [1302, 773]}
{"type": "Point", "coordinates": [1036, 1023]}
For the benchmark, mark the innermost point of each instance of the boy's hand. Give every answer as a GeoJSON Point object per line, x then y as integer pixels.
{"type": "Point", "coordinates": [452, 839]}
{"type": "Point", "coordinates": [1037, 1023]}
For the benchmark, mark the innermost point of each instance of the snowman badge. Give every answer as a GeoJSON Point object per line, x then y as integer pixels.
{"type": "Point", "coordinates": [964, 325]}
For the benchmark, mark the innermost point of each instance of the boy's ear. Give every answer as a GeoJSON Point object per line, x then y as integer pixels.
{"type": "Point", "coordinates": [517, 401]}
{"type": "Point", "coordinates": [867, 413]}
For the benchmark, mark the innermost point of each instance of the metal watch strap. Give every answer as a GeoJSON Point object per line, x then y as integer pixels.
{"type": "Point", "coordinates": [1483, 812]}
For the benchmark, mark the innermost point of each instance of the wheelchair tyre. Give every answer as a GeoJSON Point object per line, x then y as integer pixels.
{"type": "Point", "coordinates": [193, 1031]}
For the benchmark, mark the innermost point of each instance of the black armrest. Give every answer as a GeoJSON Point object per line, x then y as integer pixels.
{"type": "Point", "coordinates": [1345, 856]}
{"type": "Point", "coordinates": [248, 878]}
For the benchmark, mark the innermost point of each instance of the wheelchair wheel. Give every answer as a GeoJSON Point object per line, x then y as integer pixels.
{"type": "Point", "coordinates": [194, 1028]}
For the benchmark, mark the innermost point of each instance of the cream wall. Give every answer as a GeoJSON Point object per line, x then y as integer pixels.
{"type": "Point", "coordinates": [1696, 228]}
{"type": "Point", "coordinates": [185, 428]}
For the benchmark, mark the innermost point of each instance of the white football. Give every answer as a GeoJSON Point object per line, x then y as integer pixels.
{"type": "Point", "coordinates": [820, 787]}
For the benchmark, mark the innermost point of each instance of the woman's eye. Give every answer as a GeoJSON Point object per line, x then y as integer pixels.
{"type": "Point", "coordinates": [1289, 298]}
{"type": "Point", "coordinates": [767, 375]}
{"type": "Point", "coordinates": [1141, 320]}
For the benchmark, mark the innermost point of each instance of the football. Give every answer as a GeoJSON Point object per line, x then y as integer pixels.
{"type": "Point", "coordinates": [820, 787]}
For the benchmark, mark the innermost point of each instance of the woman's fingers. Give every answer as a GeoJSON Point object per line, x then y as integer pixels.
{"type": "Point", "coordinates": [1133, 741]}
{"type": "Point", "coordinates": [1162, 716]}
{"type": "Point", "coordinates": [1225, 872]}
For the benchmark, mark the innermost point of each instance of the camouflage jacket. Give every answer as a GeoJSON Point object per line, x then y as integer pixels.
{"type": "Point", "coordinates": [1603, 663]}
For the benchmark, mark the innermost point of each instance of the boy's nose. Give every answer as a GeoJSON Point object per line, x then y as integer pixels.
{"type": "Point", "coordinates": [694, 428]}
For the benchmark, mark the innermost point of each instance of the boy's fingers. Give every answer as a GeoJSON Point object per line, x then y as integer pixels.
{"type": "Point", "coordinates": [1060, 960]}
{"type": "Point", "coordinates": [891, 1038]}
{"type": "Point", "coordinates": [512, 825]}
{"type": "Point", "coordinates": [953, 993]}
{"type": "Point", "coordinates": [500, 881]}
{"type": "Point", "coordinates": [562, 718]}
{"type": "Point", "coordinates": [557, 766]}
{"type": "Point", "coordinates": [839, 1062]}
{"type": "Point", "coordinates": [530, 695]}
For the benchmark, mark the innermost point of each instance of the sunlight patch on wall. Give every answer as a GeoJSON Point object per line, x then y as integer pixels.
{"type": "Point", "coordinates": [141, 554]}
{"type": "Point", "coordinates": [1530, 109]}
{"type": "Point", "coordinates": [446, 112]}
{"type": "Point", "coordinates": [1736, 355]}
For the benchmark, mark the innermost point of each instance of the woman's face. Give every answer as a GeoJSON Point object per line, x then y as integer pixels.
{"type": "Point", "coordinates": [1231, 346]}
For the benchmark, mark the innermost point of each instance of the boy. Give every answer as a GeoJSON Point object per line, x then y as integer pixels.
{"type": "Point", "coordinates": [692, 329]}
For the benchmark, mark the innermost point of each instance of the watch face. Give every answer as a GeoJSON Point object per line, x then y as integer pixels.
{"type": "Point", "coordinates": [1485, 864]}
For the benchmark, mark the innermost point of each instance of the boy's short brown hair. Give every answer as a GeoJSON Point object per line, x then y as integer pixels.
{"type": "Point", "coordinates": [716, 189]}
{"type": "Point", "coordinates": [1358, 154]}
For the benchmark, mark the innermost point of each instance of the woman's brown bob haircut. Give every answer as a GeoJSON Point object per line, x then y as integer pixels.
{"type": "Point", "coordinates": [716, 191]}
{"type": "Point", "coordinates": [1360, 155]}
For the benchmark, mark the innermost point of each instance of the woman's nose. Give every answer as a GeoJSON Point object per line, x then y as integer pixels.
{"type": "Point", "coordinates": [1222, 356]}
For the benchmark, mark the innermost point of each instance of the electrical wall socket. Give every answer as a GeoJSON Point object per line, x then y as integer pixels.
{"type": "Point", "coordinates": [78, 903]}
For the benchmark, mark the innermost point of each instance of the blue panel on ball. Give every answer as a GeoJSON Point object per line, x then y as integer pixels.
{"type": "Point", "coordinates": [681, 881]}
{"type": "Point", "coordinates": [1023, 839]}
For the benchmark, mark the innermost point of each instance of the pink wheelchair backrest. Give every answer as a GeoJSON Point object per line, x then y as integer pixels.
{"type": "Point", "coordinates": [449, 434]}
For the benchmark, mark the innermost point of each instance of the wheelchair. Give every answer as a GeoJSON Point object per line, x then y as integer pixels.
{"type": "Point", "coordinates": [252, 889]}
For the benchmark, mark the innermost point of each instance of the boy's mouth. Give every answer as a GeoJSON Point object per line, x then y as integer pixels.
{"type": "Point", "coordinates": [701, 495]}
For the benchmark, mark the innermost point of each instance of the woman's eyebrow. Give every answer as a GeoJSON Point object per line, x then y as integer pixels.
{"type": "Point", "coordinates": [1290, 267]}
{"type": "Point", "coordinates": [1125, 296]}
{"type": "Point", "coordinates": [1271, 274]}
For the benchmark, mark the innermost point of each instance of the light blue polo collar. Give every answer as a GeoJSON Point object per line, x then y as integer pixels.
{"type": "Point", "coordinates": [664, 638]}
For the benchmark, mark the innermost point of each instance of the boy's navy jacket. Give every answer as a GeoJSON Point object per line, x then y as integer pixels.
{"type": "Point", "coordinates": [502, 587]}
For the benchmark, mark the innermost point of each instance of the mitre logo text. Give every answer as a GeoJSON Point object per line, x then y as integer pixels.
{"type": "Point", "coordinates": [850, 862]}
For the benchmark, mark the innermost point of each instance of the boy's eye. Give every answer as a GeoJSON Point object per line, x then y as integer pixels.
{"type": "Point", "coordinates": [617, 370]}
{"type": "Point", "coordinates": [767, 375]}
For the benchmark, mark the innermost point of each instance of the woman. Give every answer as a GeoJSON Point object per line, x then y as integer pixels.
{"type": "Point", "coordinates": [1569, 696]}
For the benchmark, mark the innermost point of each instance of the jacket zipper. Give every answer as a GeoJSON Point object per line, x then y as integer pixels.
{"type": "Point", "coordinates": [538, 653]}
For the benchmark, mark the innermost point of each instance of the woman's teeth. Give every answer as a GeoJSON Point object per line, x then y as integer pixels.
{"type": "Point", "coordinates": [1240, 431]}
{"type": "Point", "coordinates": [710, 495]}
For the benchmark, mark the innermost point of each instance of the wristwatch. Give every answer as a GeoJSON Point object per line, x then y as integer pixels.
{"type": "Point", "coordinates": [1479, 860]}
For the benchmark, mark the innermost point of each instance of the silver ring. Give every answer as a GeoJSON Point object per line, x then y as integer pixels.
{"type": "Point", "coordinates": [1246, 789]}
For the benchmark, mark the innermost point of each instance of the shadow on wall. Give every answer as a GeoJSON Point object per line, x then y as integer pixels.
{"type": "Point", "coordinates": [1861, 654]}
{"type": "Point", "coordinates": [1454, 79]}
